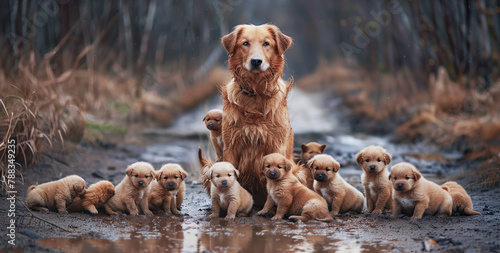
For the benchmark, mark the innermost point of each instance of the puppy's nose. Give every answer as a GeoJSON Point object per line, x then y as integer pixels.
{"type": "Point", "coordinates": [210, 125]}
{"type": "Point", "coordinates": [170, 185]}
{"type": "Point", "coordinates": [224, 183]}
{"type": "Point", "coordinates": [141, 183]}
{"type": "Point", "coordinates": [256, 62]}
{"type": "Point", "coordinates": [400, 186]}
{"type": "Point", "coordinates": [372, 167]}
{"type": "Point", "coordinates": [320, 177]}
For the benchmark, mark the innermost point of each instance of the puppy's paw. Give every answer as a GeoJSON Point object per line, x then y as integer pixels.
{"type": "Point", "coordinates": [276, 217]}
{"type": "Point", "coordinates": [232, 217]}
{"type": "Point", "coordinates": [261, 213]}
{"type": "Point", "coordinates": [293, 218]}
{"type": "Point", "coordinates": [413, 218]}
{"type": "Point", "coordinates": [148, 213]}
{"type": "Point", "coordinates": [63, 212]}
{"type": "Point", "coordinates": [214, 215]}
{"type": "Point", "coordinates": [134, 213]}
{"type": "Point", "coordinates": [377, 212]}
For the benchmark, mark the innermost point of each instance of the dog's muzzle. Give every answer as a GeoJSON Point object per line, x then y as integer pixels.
{"type": "Point", "coordinates": [373, 168]}
{"type": "Point", "coordinates": [320, 177]}
{"type": "Point", "coordinates": [255, 63]}
{"type": "Point", "coordinates": [399, 187]}
{"type": "Point", "coordinates": [223, 183]}
{"type": "Point", "coordinates": [273, 175]}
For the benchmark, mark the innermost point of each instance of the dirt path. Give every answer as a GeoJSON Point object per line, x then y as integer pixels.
{"type": "Point", "coordinates": [194, 233]}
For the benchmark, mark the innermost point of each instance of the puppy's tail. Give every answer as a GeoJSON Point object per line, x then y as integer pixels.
{"type": "Point", "coordinates": [328, 218]}
{"type": "Point", "coordinates": [469, 211]}
{"type": "Point", "coordinates": [31, 188]}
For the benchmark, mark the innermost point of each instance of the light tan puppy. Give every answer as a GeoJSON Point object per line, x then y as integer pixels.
{"type": "Point", "coordinates": [462, 204]}
{"type": "Point", "coordinates": [131, 194]}
{"type": "Point", "coordinates": [311, 149]}
{"type": "Point", "coordinates": [167, 192]}
{"type": "Point", "coordinates": [95, 196]}
{"type": "Point", "coordinates": [213, 121]}
{"type": "Point", "coordinates": [55, 195]}
{"type": "Point", "coordinates": [413, 194]}
{"type": "Point", "coordinates": [375, 179]}
{"type": "Point", "coordinates": [226, 193]}
{"type": "Point", "coordinates": [340, 195]}
{"type": "Point", "coordinates": [288, 195]}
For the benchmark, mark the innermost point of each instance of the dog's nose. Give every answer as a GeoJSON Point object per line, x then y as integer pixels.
{"type": "Point", "coordinates": [210, 124]}
{"type": "Point", "coordinates": [141, 183]}
{"type": "Point", "coordinates": [170, 185]}
{"type": "Point", "coordinates": [256, 62]}
{"type": "Point", "coordinates": [400, 186]}
{"type": "Point", "coordinates": [320, 177]}
{"type": "Point", "coordinates": [372, 167]}
{"type": "Point", "coordinates": [224, 183]}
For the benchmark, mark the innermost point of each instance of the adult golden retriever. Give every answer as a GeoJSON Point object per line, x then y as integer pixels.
{"type": "Point", "coordinates": [256, 121]}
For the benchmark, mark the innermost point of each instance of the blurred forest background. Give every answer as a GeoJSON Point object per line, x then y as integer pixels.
{"type": "Point", "coordinates": [418, 70]}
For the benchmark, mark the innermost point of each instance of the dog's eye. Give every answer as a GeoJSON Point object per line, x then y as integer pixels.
{"type": "Point", "coordinates": [176, 177]}
{"type": "Point", "coordinates": [229, 175]}
{"type": "Point", "coordinates": [146, 176]}
{"type": "Point", "coordinates": [266, 44]}
{"type": "Point", "coordinates": [407, 178]}
{"type": "Point", "coordinates": [317, 168]}
{"type": "Point", "coordinates": [395, 178]}
{"type": "Point", "coordinates": [166, 177]}
{"type": "Point", "coordinates": [378, 160]}
{"type": "Point", "coordinates": [268, 166]}
{"type": "Point", "coordinates": [279, 166]}
{"type": "Point", "coordinates": [327, 169]}
{"type": "Point", "coordinates": [367, 160]}
{"type": "Point", "coordinates": [246, 43]}
{"type": "Point", "coordinates": [217, 176]}
{"type": "Point", "coordinates": [136, 175]}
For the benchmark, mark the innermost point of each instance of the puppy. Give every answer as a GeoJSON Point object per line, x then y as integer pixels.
{"type": "Point", "coordinates": [462, 204]}
{"type": "Point", "coordinates": [213, 121]}
{"type": "Point", "coordinates": [256, 120]}
{"type": "Point", "coordinates": [131, 194]}
{"type": "Point", "coordinates": [290, 197]}
{"type": "Point", "coordinates": [55, 195]}
{"type": "Point", "coordinates": [95, 196]}
{"type": "Point", "coordinates": [309, 150]}
{"type": "Point", "coordinates": [340, 195]}
{"type": "Point", "coordinates": [205, 165]}
{"type": "Point", "coordinates": [375, 179]}
{"type": "Point", "coordinates": [413, 194]}
{"type": "Point", "coordinates": [167, 192]}
{"type": "Point", "coordinates": [226, 193]}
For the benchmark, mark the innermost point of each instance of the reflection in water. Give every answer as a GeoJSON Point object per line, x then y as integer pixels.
{"type": "Point", "coordinates": [255, 234]}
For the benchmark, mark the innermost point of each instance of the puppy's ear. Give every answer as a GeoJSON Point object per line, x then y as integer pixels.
{"type": "Point", "coordinates": [445, 187]}
{"type": "Point", "coordinates": [205, 118]}
{"type": "Point", "coordinates": [237, 173]}
{"type": "Point", "coordinates": [304, 147]}
{"type": "Point", "coordinates": [336, 166]}
{"type": "Point", "coordinates": [389, 176]}
{"type": "Point", "coordinates": [111, 191]}
{"type": "Point", "coordinates": [208, 174]}
{"type": "Point", "coordinates": [288, 165]}
{"type": "Point", "coordinates": [158, 176]}
{"type": "Point", "coordinates": [153, 174]}
{"type": "Point", "coordinates": [184, 174]}
{"type": "Point", "coordinates": [387, 158]}
{"type": "Point", "coordinates": [322, 148]}
{"type": "Point", "coordinates": [229, 41]}
{"type": "Point", "coordinates": [416, 174]}
{"type": "Point", "coordinates": [129, 171]}
{"type": "Point", "coordinates": [310, 164]}
{"type": "Point", "coordinates": [359, 158]}
{"type": "Point", "coordinates": [283, 42]}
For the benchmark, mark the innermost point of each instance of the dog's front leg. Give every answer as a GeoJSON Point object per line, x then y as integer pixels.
{"type": "Point", "coordinates": [173, 203]}
{"type": "Point", "coordinates": [145, 205]}
{"type": "Point", "coordinates": [232, 209]}
{"type": "Point", "coordinates": [91, 209]}
{"type": "Point", "coordinates": [282, 210]}
{"type": "Point", "coordinates": [215, 206]}
{"type": "Point", "coordinates": [267, 206]}
{"type": "Point", "coordinates": [167, 204]}
{"type": "Point", "coordinates": [60, 203]}
{"type": "Point", "coordinates": [337, 202]}
{"type": "Point", "coordinates": [396, 208]}
{"type": "Point", "coordinates": [382, 199]}
{"type": "Point", "coordinates": [109, 210]}
{"type": "Point", "coordinates": [369, 201]}
{"type": "Point", "coordinates": [419, 210]}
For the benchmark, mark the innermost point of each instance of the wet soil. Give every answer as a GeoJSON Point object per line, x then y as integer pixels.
{"type": "Point", "coordinates": [194, 232]}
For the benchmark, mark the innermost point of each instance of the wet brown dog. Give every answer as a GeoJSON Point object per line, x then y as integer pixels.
{"type": "Point", "coordinates": [288, 195]}
{"type": "Point", "coordinates": [375, 179]}
{"type": "Point", "coordinates": [213, 121]}
{"type": "Point", "coordinates": [95, 196]}
{"type": "Point", "coordinates": [340, 195]}
{"type": "Point", "coordinates": [55, 195]}
{"type": "Point", "coordinates": [413, 194]}
{"type": "Point", "coordinates": [167, 192]}
{"type": "Point", "coordinates": [226, 193]}
{"type": "Point", "coordinates": [131, 194]}
{"type": "Point", "coordinates": [462, 204]}
{"type": "Point", "coordinates": [256, 120]}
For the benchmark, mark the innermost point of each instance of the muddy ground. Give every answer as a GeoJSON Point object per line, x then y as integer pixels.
{"type": "Point", "coordinates": [193, 232]}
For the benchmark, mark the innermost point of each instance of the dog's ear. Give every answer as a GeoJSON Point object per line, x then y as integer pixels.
{"type": "Point", "coordinates": [322, 148]}
{"type": "Point", "coordinates": [389, 176]}
{"type": "Point", "coordinates": [129, 171]}
{"type": "Point", "coordinates": [416, 174]}
{"type": "Point", "coordinates": [304, 147]}
{"type": "Point", "coordinates": [208, 174]}
{"type": "Point", "coordinates": [153, 174]}
{"type": "Point", "coordinates": [359, 158]}
{"type": "Point", "coordinates": [184, 174]}
{"type": "Point", "coordinates": [229, 41]}
{"type": "Point", "coordinates": [336, 166]}
{"type": "Point", "coordinates": [205, 118]}
{"type": "Point", "coordinates": [283, 42]}
{"type": "Point", "coordinates": [310, 164]}
{"type": "Point", "coordinates": [288, 164]}
{"type": "Point", "coordinates": [445, 187]}
{"type": "Point", "coordinates": [111, 191]}
{"type": "Point", "coordinates": [158, 176]}
{"type": "Point", "coordinates": [237, 173]}
{"type": "Point", "coordinates": [387, 158]}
